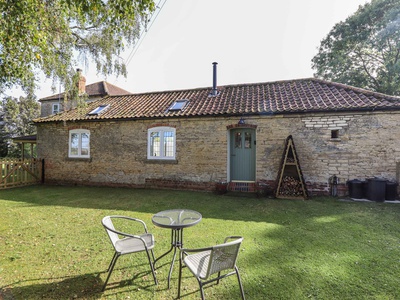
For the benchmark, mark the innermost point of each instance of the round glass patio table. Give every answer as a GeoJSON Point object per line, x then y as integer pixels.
{"type": "Point", "coordinates": [176, 220]}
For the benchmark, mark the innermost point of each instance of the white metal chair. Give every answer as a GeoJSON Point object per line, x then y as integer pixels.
{"type": "Point", "coordinates": [126, 243]}
{"type": "Point", "coordinates": [205, 262]}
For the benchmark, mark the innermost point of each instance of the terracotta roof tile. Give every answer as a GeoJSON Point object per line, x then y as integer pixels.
{"type": "Point", "coordinates": [281, 97]}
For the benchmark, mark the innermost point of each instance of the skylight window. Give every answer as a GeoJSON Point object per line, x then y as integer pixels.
{"type": "Point", "coordinates": [178, 105]}
{"type": "Point", "coordinates": [98, 110]}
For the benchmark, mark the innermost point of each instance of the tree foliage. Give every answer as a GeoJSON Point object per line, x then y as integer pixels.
{"type": "Point", "coordinates": [364, 50]}
{"type": "Point", "coordinates": [16, 117]}
{"type": "Point", "coordinates": [51, 35]}
{"type": "Point", "coordinates": [3, 136]}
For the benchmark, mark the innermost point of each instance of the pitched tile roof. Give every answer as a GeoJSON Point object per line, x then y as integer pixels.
{"type": "Point", "coordinates": [280, 97]}
{"type": "Point", "coordinates": [97, 89]}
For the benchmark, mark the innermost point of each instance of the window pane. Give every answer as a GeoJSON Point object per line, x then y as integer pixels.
{"type": "Point", "coordinates": [238, 140]}
{"type": "Point", "coordinates": [74, 143]}
{"type": "Point", "coordinates": [85, 144]}
{"type": "Point", "coordinates": [161, 143]}
{"type": "Point", "coordinates": [178, 105]}
{"type": "Point", "coordinates": [168, 144]}
{"type": "Point", "coordinates": [247, 140]}
{"type": "Point", "coordinates": [155, 144]}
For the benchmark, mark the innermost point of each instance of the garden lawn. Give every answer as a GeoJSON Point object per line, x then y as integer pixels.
{"type": "Point", "coordinates": [52, 245]}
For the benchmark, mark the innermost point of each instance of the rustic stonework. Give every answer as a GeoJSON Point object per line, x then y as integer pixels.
{"type": "Point", "coordinates": [46, 108]}
{"type": "Point", "coordinates": [367, 146]}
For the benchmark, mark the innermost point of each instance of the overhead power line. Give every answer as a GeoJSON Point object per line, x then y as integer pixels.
{"type": "Point", "coordinates": [146, 28]}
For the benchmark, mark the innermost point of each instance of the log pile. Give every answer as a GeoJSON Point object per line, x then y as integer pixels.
{"type": "Point", "coordinates": [290, 187]}
{"type": "Point", "coordinates": [290, 160]}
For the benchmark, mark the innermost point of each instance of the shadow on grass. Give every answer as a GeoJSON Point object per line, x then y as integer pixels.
{"type": "Point", "coordinates": [87, 286]}
{"type": "Point", "coordinates": [139, 200]}
{"type": "Point", "coordinates": [78, 287]}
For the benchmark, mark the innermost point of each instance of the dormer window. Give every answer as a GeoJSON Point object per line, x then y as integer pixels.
{"type": "Point", "coordinates": [178, 105]}
{"type": "Point", "coordinates": [98, 110]}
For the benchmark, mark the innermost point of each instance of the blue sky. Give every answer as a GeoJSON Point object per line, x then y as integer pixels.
{"type": "Point", "coordinates": [252, 41]}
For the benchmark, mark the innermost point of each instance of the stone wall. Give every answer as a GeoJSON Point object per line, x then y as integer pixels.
{"type": "Point", "coordinates": [118, 154]}
{"type": "Point", "coordinates": [46, 106]}
{"type": "Point", "coordinates": [349, 146]}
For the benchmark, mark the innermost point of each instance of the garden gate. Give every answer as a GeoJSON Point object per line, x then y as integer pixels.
{"type": "Point", "coordinates": [16, 172]}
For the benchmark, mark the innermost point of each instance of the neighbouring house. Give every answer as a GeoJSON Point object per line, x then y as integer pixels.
{"type": "Point", "coordinates": [191, 139]}
{"type": "Point", "coordinates": [54, 104]}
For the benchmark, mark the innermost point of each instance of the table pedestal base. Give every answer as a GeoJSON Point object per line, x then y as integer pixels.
{"type": "Point", "coordinates": [176, 243]}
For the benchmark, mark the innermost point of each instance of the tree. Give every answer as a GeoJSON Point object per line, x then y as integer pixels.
{"type": "Point", "coordinates": [3, 136]}
{"type": "Point", "coordinates": [16, 120]}
{"type": "Point", "coordinates": [50, 35]}
{"type": "Point", "coordinates": [364, 50]}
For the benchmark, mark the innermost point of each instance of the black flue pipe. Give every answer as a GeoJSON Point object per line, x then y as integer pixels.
{"type": "Point", "coordinates": [214, 89]}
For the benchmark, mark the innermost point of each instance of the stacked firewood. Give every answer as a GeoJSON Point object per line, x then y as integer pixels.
{"type": "Point", "coordinates": [290, 186]}
{"type": "Point", "coordinates": [290, 160]}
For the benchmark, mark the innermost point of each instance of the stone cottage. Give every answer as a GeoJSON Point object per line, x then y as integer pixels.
{"type": "Point", "coordinates": [190, 139]}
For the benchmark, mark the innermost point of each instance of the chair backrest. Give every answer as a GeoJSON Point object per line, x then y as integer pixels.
{"type": "Point", "coordinates": [107, 223]}
{"type": "Point", "coordinates": [223, 256]}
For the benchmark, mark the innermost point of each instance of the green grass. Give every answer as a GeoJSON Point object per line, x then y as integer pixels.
{"type": "Point", "coordinates": [52, 245]}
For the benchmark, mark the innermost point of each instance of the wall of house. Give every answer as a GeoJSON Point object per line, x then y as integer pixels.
{"type": "Point", "coordinates": [367, 145]}
{"type": "Point", "coordinates": [46, 107]}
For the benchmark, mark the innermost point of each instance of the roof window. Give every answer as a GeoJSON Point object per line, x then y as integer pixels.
{"type": "Point", "coordinates": [178, 105]}
{"type": "Point", "coordinates": [98, 110]}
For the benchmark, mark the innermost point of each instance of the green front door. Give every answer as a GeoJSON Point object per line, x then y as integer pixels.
{"type": "Point", "coordinates": [242, 154]}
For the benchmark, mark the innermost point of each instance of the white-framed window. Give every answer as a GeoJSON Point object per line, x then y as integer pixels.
{"type": "Point", "coordinates": [79, 143]}
{"type": "Point", "coordinates": [55, 108]}
{"type": "Point", "coordinates": [161, 143]}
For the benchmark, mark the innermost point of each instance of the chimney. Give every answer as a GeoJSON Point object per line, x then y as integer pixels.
{"type": "Point", "coordinates": [214, 91]}
{"type": "Point", "coordinates": [81, 82]}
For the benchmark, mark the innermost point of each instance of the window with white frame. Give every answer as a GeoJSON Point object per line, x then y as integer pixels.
{"type": "Point", "coordinates": [56, 108]}
{"type": "Point", "coordinates": [79, 143]}
{"type": "Point", "coordinates": [161, 143]}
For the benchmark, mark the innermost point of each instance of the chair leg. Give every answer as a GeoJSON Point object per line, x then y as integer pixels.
{"type": "Point", "coordinates": [152, 267]}
{"type": "Point", "coordinates": [112, 261]}
{"type": "Point", "coordinates": [240, 282]}
{"type": "Point", "coordinates": [201, 288]}
{"type": "Point", "coordinates": [111, 268]}
{"type": "Point", "coordinates": [219, 275]}
{"type": "Point", "coordinates": [180, 276]}
{"type": "Point", "coordinates": [152, 255]}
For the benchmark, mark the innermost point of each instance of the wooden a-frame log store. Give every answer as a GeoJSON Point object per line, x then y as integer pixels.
{"type": "Point", "coordinates": [290, 181]}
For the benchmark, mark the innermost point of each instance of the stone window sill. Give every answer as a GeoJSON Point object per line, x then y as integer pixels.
{"type": "Point", "coordinates": [162, 161]}
{"type": "Point", "coordinates": [88, 159]}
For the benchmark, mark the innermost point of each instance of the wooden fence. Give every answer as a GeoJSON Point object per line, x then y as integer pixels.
{"type": "Point", "coordinates": [16, 172]}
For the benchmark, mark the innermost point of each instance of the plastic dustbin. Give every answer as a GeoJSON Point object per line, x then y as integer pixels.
{"type": "Point", "coordinates": [364, 189]}
{"type": "Point", "coordinates": [376, 189]}
{"type": "Point", "coordinates": [391, 190]}
{"type": "Point", "coordinates": [355, 189]}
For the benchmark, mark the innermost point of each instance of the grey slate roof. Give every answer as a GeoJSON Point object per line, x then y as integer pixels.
{"type": "Point", "coordinates": [280, 97]}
